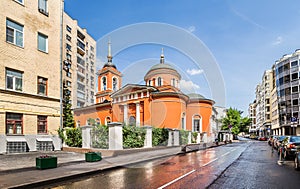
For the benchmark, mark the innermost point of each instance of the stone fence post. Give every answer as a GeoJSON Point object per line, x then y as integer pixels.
{"type": "Point", "coordinates": [115, 132]}
{"type": "Point", "coordinates": [86, 136]}
{"type": "Point", "coordinates": [171, 138]}
{"type": "Point", "coordinates": [176, 136]}
{"type": "Point", "coordinates": [198, 138]}
{"type": "Point", "coordinates": [148, 137]}
{"type": "Point", "coordinates": [190, 137]}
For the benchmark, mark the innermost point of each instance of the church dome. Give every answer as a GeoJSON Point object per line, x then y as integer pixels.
{"type": "Point", "coordinates": [165, 71]}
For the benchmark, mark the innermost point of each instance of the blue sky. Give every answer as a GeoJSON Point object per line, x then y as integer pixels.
{"type": "Point", "coordinates": [245, 37]}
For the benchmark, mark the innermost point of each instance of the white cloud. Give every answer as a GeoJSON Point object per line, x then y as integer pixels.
{"type": "Point", "coordinates": [278, 41]}
{"type": "Point", "coordinates": [192, 29]}
{"type": "Point", "coordinates": [188, 86]}
{"type": "Point", "coordinates": [194, 71]}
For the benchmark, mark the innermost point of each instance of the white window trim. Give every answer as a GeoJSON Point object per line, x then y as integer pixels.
{"type": "Point", "coordinates": [46, 37]}
{"type": "Point", "coordinates": [15, 37]}
{"type": "Point", "coordinates": [14, 81]}
{"type": "Point", "coordinates": [183, 115]}
{"type": "Point", "coordinates": [102, 86]}
{"type": "Point", "coordinates": [117, 87]}
{"type": "Point", "coordinates": [200, 122]}
{"type": "Point", "coordinates": [22, 3]}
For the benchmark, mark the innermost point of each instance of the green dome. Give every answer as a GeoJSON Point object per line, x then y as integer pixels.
{"type": "Point", "coordinates": [195, 96]}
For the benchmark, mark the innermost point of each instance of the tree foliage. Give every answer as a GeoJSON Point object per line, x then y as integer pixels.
{"type": "Point", "coordinates": [133, 137]}
{"type": "Point", "coordinates": [68, 119]}
{"type": "Point", "coordinates": [160, 136]}
{"type": "Point", "coordinates": [235, 121]}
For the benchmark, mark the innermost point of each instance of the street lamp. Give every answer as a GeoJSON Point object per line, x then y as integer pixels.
{"type": "Point", "coordinates": [294, 124]}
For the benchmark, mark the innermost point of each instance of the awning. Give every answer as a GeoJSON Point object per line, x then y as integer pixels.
{"type": "Point", "coordinates": [16, 139]}
{"type": "Point", "coordinates": [44, 139]}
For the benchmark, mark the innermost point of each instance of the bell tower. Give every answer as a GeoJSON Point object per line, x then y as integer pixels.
{"type": "Point", "coordinates": [109, 79]}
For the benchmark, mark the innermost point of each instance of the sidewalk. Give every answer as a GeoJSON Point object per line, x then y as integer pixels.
{"type": "Point", "coordinates": [18, 170]}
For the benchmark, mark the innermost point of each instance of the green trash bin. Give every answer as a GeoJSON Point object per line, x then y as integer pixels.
{"type": "Point", "coordinates": [46, 162]}
{"type": "Point", "coordinates": [93, 156]}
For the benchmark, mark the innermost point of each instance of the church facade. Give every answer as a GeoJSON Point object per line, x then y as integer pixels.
{"type": "Point", "coordinates": [158, 103]}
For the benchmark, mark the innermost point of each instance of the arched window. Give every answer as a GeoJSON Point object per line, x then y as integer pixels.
{"type": "Point", "coordinates": [107, 120]}
{"type": "Point", "coordinates": [197, 123]}
{"type": "Point", "coordinates": [159, 81]}
{"type": "Point", "coordinates": [183, 121]}
{"type": "Point", "coordinates": [104, 84]}
{"type": "Point", "coordinates": [149, 82]}
{"type": "Point", "coordinates": [115, 84]}
{"type": "Point", "coordinates": [132, 121]}
{"type": "Point", "coordinates": [173, 82]}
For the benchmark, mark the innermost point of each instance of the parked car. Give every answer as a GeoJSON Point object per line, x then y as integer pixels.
{"type": "Point", "coordinates": [291, 145]}
{"type": "Point", "coordinates": [262, 138]}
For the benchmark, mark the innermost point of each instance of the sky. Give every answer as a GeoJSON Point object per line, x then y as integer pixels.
{"type": "Point", "coordinates": [243, 37]}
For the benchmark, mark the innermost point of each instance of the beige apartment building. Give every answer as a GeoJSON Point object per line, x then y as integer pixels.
{"type": "Point", "coordinates": [30, 75]}
{"type": "Point", "coordinates": [79, 63]}
{"type": "Point", "coordinates": [274, 106]}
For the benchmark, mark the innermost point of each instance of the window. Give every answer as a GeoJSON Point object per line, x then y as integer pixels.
{"type": "Point", "coordinates": [183, 121]}
{"type": "Point", "coordinates": [294, 64]}
{"type": "Point", "coordinates": [42, 42]}
{"type": "Point", "coordinates": [69, 74]}
{"type": "Point", "coordinates": [14, 123]}
{"type": "Point", "coordinates": [149, 82]}
{"type": "Point", "coordinates": [69, 29]}
{"type": "Point", "coordinates": [68, 47]}
{"type": "Point", "coordinates": [159, 81]}
{"type": "Point", "coordinates": [295, 102]}
{"type": "Point", "coordinates": [173, 82]}
{"type": "Point", "coordinates": [20, 1]}
{"type": "Point", "coordinates": [43, 8]}
{"type": "Point", "coordinates": [14, 80]}
{"type": "Point", "coordinates": [14, 33]}
{"type": "Point", "coordinates": [295, 89]}
{"type": "Point", "coordinates": [68, 56]}
{"type": "Point", "coordinates": [103, 83]}
{"type": "Point", "coordinates": [294, 76]}
{"type": "Point", "coordinates": [42, 124]}
{"type": "Point", "coordinates": [197, 125]}
{"type": "Point", "coordinates": [92, 48]}
{"type": "Point", "coordinates": [69, 38]}
{"type": "Point", "coordinates": [42, 86]}
{"type": "Point", "coordinates": [115, 84]}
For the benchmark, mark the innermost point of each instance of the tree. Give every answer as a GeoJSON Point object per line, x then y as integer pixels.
{"type": "Point", "coordinates": [68, 119]}
{"type": "Point", "coordinates": [235, 121]}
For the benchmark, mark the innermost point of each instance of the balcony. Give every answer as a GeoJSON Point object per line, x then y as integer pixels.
{"type": "Point", "coordinates": [80, 47]}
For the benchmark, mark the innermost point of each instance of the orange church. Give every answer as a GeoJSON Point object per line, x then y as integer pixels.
{"type": "Point", "coordinates": [158, 103]}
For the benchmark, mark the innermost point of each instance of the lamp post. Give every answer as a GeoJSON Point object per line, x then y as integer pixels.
{"type": "Point", "coordinates": [294, 124]}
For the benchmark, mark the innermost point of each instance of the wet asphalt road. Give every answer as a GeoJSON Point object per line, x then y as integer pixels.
{"type": "Point", "coordinates": [192, 170]}
{"type": "Point", "coordinates": [258, 167]}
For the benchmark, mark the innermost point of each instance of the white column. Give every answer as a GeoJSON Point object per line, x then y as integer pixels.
{"type": "Point", "coordinates": [148, 137]}
{"type": "Point", "coordinates": [147, 93]}
{"type": "Point", "coordinates": [283, 131]}
{"type": "Point", "coordinates": [115, 134]}
{"type": "Point", "coordinates": [137, 116]}
{"type": "Point", "coordinates": [125, 114]}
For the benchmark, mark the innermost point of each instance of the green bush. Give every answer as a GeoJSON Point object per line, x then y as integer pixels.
{"type": "Point", "coordinates": [160, 136]}
{"type": "Point", "coordinates": [99, 136]}
{"type": "Point", "coordinates": [194, 137]}
{"type": "Point", "coordinates": [183, 137]}
{"type": "Point", "coordinates": [73, 137]}
{"type": "Point", "coordinates": [133, 137]}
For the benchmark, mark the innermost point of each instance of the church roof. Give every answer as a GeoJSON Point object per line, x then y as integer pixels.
{"type": "Point", "coordinates": [195, 96]}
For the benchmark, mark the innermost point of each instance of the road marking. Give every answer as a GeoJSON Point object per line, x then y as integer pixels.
{"type": "Point", "coordinates": [232, 150]}
{"type": "Point", "coordinates": [225, 154]}
{"type": "Point", "coordinates": [209, 162]}
{"type": "Point", "coordinates": [175, 180]}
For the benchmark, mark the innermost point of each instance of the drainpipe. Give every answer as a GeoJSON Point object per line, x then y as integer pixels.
{"type": "Point", "coordinates": [61, 64]}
